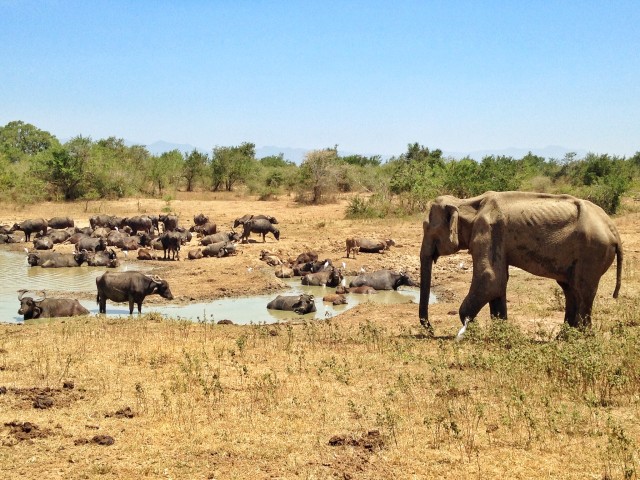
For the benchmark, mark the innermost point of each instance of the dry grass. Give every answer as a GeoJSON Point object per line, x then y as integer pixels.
{"type": "Point", "coordinates": [362, 395]}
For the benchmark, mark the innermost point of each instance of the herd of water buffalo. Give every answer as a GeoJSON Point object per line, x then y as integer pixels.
{"type": "Point", "coordinates": [148, 234]}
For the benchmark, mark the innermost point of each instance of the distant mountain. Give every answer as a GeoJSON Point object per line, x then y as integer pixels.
{"type": "Point", "coordinates": [160, 147]}
{"type": "Point", "coordinates": [548, 152]}
{"type": "Point", "coordinates": [296, 155]}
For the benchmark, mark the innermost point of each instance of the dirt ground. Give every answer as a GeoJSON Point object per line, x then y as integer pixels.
{"type": "Point", "coordinates": [364, 395]}
{"type": "Point", "coordinates": [321, 228]}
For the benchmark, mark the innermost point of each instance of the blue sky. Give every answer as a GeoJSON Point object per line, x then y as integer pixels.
{"type": "Point", "coordinates": [369, 76]}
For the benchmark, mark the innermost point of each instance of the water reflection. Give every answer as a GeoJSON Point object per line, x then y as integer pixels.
{"type": "Point", "coordinates": [16, 274]}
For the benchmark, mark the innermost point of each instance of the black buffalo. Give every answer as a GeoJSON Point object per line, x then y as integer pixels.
{"type": "Point", "coordinates": [219, 249]}
{"type": "Point", "coordinates": [108, 221]}
{"type": "Point", "coordinates": [31, 308]}
{"type": "Point", "coordinates": [220, 237]}
{"type": "Point", "coordinates": [43, 243]}
{"type": "Point", "coordinates": [104, 258]}
{"type": "Point", "coordinates": [382, 280]}
{"type": "Point", "coordinates": [204, 229]}
{"type": "Point", "coordinates": [245, 218]}
{"type": "Point", "coordinates": [36, 259]}
{"type": "Point", "coordinates": [61, 260]}
{"type": "Point", "coordinates": [330, 277]}
{"type": "Point", "coordinates": [171, 245]}
{"type": "Point", "coordinates": [59, 235]}
{"type": "Point", "coordinates": [261, 226]}
{"type": "Point", "coordinates": [129, 286]}
{"type": "Point", "coordinates": [31, 226]}
{"type": "Point", "coordinates": [61, 222]}
{"type": "Point", "coordinates": [91, 244]}
{"type": "Point", "coordinates": [200, 219]}
{"type": "Point", "coordinates": [170, 222]}
{"type": "Point", "coordinates": [139, 224]}
{"type": "Point", "coordinates": [299, 304]}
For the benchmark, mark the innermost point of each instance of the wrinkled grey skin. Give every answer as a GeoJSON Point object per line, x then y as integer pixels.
{"type": "Point", "coordinates": [299, 304]}
{"type": "Point", "coordinates": [129, 286]}
{"type": "Point", "coordinates": [382, 280]}
{"type": "Point", "coordinates": [561, 237]}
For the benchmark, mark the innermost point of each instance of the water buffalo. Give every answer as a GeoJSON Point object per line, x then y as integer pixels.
{"type": "Point", "coordinates": [270, 258]}
{"type": "Point", "coordinates": [284, 271]}
{"type": "Point", "coordinates": [102, 232]}
{"type": "Point", "coordinates": [91, 244]}
{"type": "Point", "coordinates": [139, 224]}
{"type": "Point", "coordinates": [103, 258]}
{"type": "Point", "coordinates": [110, 221]}
{"type": "Point", "coordinates": [59, 235]}
{"type": "Point", "coordinates": [194, 254]}
{"type": "Point", "coordinates": [31, 226]}
{"type": "Point", "coordinates": [146, 254]}
{"type": "Point", "coordinates": [169, 222]}
{"type": "Point", "coordinates": [260, 226]}
{"type": "Point", "coordinates": [367, 245]}
{"type": "Point", "coordinates": [330, 277]}
{"type": "Point", "coordinates": [219, 249]}
{"type": "Point", "coordinates": [61, 222]}
{"type": "Point", "coordinates": [382, 280]}
{"type": "Point", "coordinates": [171, 244]}
{"type": "Point", "coordinates": [204, 229]}
{"type": "Point", "coordinates": [41, 307]}
{"type": "Point", "coordinates": [43, 243]}
{"type": "Point", "coordinates": [75, 238]}
{"type": "Point", "coordinates": [220, 237]}
{"type": "Point", "coordinates": [363, 290]}
{"type": "Point", "coordinates": [129, 286]}
{"type": "Point", "coordinates": [61, 260]}
{"type": "Point", "coordinates": [305, 257]}
{"type": "Point", "coordinates": [245, 218]}
{"type": "Point", "coordinates": [311, 267]}
{"type": "Point", "coordinates": [335, 298]}
{"type": "Point", "coordinates": [200, 219]}
{"type": "Point", "coordinates": [36, 259]}
{"type": "Point", "coordinates": [300, 304]}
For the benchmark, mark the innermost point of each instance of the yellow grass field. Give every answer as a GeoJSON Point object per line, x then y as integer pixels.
{"type": "Point", "coordinates": [363, 395]}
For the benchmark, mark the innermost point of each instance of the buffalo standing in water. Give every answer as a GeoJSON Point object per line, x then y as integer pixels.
{"type": "Point", "coordinates": [129, 286]}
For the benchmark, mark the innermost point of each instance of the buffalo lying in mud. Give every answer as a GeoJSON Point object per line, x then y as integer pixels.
{"type": "Point", "coordinates": [42, 307]}
{"type": "Point", "coordinates": [129, 286]}
{"type": "Point", "coordinates": [299, 304]}
{"type": "Point", "coordinates": [382, 280]}
{"type": "Point", "coordinates": [219, 249]}
{"type": "Point", "coordinates": [330, 277]}
{"type": "Point", "coordinates": [105, 258]}
{"type": "Point", "coordinates": [56, 259]}
{"type": "Point", "coordinates": [363, 290]}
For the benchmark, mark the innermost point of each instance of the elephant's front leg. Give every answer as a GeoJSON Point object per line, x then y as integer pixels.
{"type": "Point", "coordinates": [489, 285]}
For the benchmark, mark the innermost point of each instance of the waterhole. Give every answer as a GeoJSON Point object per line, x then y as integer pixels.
{"type": "Point", "coordinates": [16, 274]}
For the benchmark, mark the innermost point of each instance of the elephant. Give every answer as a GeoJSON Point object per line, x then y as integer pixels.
{"type": "Point", "coordinates": [561, 237]}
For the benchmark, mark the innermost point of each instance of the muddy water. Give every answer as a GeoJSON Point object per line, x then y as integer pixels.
{"type": "Point", "coordinates": [16, 274]}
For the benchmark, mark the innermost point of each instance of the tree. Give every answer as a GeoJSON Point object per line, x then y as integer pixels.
{"type": "Point", "coordinates": [231, 165]}
{"type": "Point", "coordinates": [65, 167]}
{"type": "Point", "coordinates": [165, 169]}
{"type": "Point", "coordinates": [19, 139]}
{"type": "Point", "coordinates": [194, 167]}
{"type": "Point", "coordinates": [319, 172]}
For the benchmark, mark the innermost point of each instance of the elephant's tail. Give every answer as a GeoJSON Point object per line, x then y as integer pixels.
{"type": "Point", "coordinates": [618, 270]}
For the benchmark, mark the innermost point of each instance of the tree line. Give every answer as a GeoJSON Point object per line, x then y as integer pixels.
{"type": "Point", "coordinates": [36, 166]}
